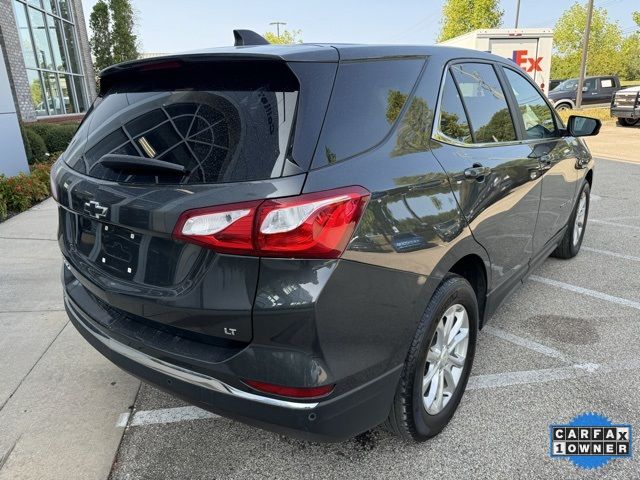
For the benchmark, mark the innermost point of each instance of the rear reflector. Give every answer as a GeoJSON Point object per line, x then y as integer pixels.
{"type": "Point", "coordinates": [314, 225]}
{"type": "Point", "coordinates": [292, 392]}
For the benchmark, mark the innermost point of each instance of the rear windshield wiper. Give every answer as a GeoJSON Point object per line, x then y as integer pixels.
{"type": "Point", "coordinates": [135, 164]}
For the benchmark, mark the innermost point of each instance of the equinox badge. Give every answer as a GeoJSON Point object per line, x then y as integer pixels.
{"type": "Point", "coordinates": [95, 210]}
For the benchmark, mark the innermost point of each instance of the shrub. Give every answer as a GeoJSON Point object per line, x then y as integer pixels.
{"type": "Point", "coordinates": [34, 146]}
{"type": "Point", "coordinates": [56, 136]}
{"type": "Point", "coordinates": [3, 201]}
{"type": "Point", "coordinates": [22, 191]}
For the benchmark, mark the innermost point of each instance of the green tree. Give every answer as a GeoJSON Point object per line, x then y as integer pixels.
{"type": "Point", "coordinates": [605, 43]}
{"type": "Point", "coordinates": [630, 53]}
{"type": "Point", "coordinates": [100, 40]}
{"type": "Point", "coordinates": [123, 40]}
{"type": "Point", "coordinates": [463, 16]}
{"type": "Point", "coordinates": [287, 37]}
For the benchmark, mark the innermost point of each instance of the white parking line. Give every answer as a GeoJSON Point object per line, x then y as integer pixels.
{"type": "Point", "coordinates": [611, 254]}
{"type": "Point", "coordinates": [526, 343]}
{"type": "Point", "coordinates": [586, 291]}
{"type": "Point", "coordinates": [505, 379]}
{"type": "Point", "coordinates": [164, 415]}
{"type": "Point", "coordinates": [619, 225]}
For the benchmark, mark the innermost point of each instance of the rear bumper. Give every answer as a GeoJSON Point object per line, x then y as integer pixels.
{"type": "Point", "coordinates": [625, 112]}
{"type": "Point", "coordinates": [335, 419]}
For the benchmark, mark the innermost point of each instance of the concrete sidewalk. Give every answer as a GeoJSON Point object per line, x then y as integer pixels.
{"type": "Point", "coordinates": [59, 399]}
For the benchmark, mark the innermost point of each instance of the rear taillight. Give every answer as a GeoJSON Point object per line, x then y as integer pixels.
{"type": "Point", "coordinates": [314, 225]}
{"type": "Point", "coordinates": [225, 229]}
{"type": "Point", "coordinates": [292, 392]}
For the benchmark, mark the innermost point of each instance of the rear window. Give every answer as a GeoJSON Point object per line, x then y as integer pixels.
{"type": "Point", "coordinates": [222, 122]}
{"type": "Point", "coordinates": [366, 101]}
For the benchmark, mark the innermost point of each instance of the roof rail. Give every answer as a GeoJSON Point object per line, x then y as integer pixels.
{"type": "Point", "coordinates": [248, 37]}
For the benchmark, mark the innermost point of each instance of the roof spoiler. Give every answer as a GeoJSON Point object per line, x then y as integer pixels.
{"type": "Point", "coordinates": [248, 37]}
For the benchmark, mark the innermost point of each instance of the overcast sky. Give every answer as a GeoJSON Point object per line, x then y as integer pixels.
{"type": "Point", "coordinates": [167, 26]}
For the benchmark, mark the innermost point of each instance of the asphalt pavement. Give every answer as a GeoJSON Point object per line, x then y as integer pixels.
{"type": "Point", "coordinates": [565, 342]}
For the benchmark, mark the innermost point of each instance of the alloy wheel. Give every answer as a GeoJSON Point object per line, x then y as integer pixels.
{"type": "Point", "coordinates": [580, 218]}
{"type": "Point", "coordinates": [446, 359]}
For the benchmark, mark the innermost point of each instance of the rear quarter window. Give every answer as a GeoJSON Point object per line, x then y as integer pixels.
{"type": "Point", "coordinates": [366, 101]}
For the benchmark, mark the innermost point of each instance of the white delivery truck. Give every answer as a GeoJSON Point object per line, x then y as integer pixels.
{"type": "Point", "coordinates": [529, 48]}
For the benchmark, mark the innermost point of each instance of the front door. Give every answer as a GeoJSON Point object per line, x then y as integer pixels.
{"type": "Point", "coordinates": [492, 174]}
{"type": "Point", "coordinates": [554, 153]}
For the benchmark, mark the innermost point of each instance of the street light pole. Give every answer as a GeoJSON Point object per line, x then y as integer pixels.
{"type": "Point", "coordinates": [585, 50]}
{"type": "Point", "coordinates": [517, 13]}
{"type": "Point", "coordinates": [277, 24]}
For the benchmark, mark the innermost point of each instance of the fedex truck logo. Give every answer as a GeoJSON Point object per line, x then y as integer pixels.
{"type": "Point", "coordinates": [527, 63]}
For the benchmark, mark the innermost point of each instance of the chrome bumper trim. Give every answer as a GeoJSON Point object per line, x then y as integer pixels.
{"type": "Point", "coordinates": [175, 371]}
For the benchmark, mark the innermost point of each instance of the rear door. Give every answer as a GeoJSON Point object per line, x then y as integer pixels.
{"type": "Point", "coordinates": [229, 127]}
{"type": "Point", "coordinates": [492, 174]}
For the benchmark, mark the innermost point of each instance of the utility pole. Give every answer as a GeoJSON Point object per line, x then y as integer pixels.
{"type": "Point", "coordinates": [585, 49]}
{"type": "Point", "coordinates": [277, 24]}
{"type": "Point", "coordinates": [517, 13]}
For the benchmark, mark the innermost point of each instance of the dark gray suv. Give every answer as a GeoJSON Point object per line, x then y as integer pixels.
{"type": "Point", "coordinates": [307, 238]}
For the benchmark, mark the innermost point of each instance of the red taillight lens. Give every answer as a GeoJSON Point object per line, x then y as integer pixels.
{"type": "Point", "coordinates": [292, 392]}
{"type": "Point", "coordinates": [225, 229]}
{"type": "Point", "coordinates": [314, 225]}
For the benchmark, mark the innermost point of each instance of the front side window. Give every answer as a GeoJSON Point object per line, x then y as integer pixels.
{"type": "Point", "coordinates": [538, 119]}
{"type": "Point", "coordinates": [50, 50]}
{"type": "Point", "coordinates": [485, 102]}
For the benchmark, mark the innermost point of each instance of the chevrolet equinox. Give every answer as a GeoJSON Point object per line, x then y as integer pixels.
{"type": "Point", "coordinates": [308, 238]}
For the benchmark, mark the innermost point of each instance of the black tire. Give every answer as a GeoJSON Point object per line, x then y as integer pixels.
{"type": "Point", "coordinates": [567, 247]}
{"type": "Point", "coordinates": [563, 106]}
{"type": "Point", "coordinates": [628, 122]}
{"type": "Point", "coordinates": [408, 417]}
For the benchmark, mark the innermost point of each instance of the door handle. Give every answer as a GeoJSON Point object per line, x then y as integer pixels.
{"type": "Point", "coordinates": [477, 172]}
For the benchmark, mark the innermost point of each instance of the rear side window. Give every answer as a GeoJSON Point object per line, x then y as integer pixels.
{"type": "Point", "coordinates": [366, 101]}
{"type": "Point", "coordinates": [485, 102]}
{"type": "Point", "coordinates": [453, 118]}
{"type": "Point", "coordinates": [219, 128]}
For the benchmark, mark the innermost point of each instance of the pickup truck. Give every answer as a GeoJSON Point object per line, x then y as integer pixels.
{"type": "Point", "coordinates": [596, 91]}
{"type": "Point", "coordinates": [625, 105]}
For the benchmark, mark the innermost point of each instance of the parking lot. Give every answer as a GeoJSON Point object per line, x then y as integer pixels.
{"type": "Point", "coordinates": [564, 343]}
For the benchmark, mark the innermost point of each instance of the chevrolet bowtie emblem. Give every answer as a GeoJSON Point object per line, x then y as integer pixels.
{"type": "Point", "coordinates": [95, 210]}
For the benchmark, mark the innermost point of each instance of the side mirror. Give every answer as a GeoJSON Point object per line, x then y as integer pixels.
{"type": "Point", "coordinates": [585, 89]}
{"type": "Point", "coordinates": [583, 126]}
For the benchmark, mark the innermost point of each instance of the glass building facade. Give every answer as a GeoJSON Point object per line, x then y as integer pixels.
{"type": "Point", "coordinates": [48, 37]}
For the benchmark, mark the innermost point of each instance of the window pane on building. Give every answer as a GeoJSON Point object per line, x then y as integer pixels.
{"type": "Point", "coordinates": [72, 48]}
{"type": "Point", "coordinates": [78, 82]}
{"type": "Point", "coordinates": [39, 31]}
{"type": "Point", "coordinates": [65, 11]}
{"type": "Point", "coordinates": [52, 92]}
{"type": "Point", "coordinates": [69, 101]}
{"type": "Point", "coordinates": [37, 3]}
{"type": "Point", "coordinates": [37, 95]}
{"type": "Point", "coordinates": [25, 37]}
{"type": "Point", "coordinates": [57, 47]}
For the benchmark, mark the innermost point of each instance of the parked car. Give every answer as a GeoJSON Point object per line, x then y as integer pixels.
{"type": "Point", "coordinates": [227, 218]}
{"type": "Point", "coordinates": [625, 106]}
{"type": "Point", "coordinates": [596, 91]}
